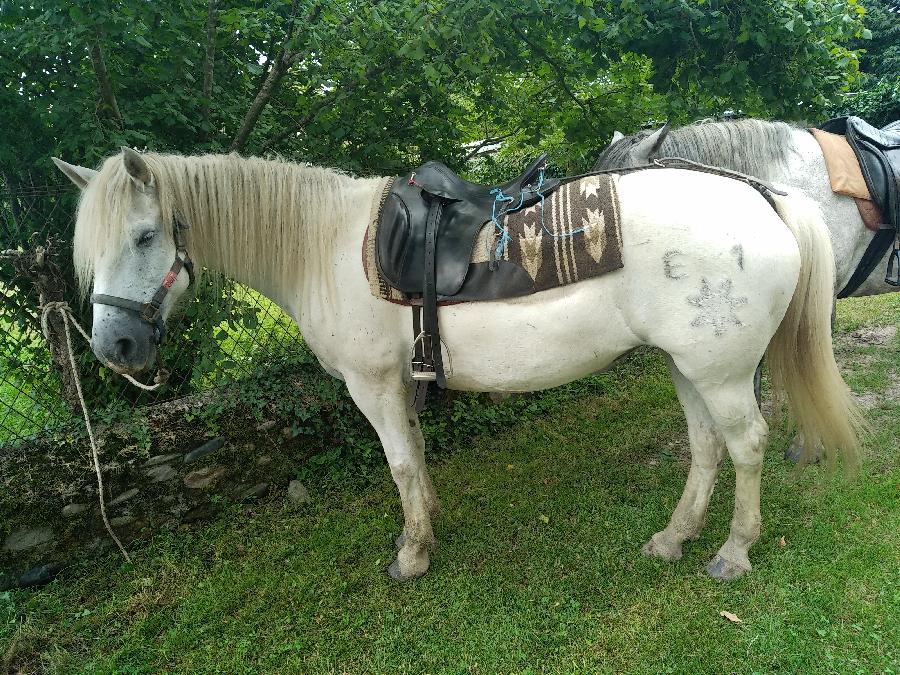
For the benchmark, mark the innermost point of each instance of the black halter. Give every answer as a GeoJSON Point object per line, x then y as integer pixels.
{"type": "Point", "coordinates": [150, 311]}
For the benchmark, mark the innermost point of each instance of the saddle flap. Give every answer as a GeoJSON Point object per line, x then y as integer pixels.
{"type": "Point", "coordinates": [400, 243]}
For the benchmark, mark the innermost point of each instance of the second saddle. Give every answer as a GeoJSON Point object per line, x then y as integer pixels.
{"type": "Point", "coordinates": [878, 153]}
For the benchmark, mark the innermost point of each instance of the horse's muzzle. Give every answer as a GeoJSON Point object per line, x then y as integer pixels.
{"type": "Point", "coordinates": [124, 342]}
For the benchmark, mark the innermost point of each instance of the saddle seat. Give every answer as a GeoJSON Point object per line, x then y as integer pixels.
{"type": "Point", "coordinates": [464, 208]}
{"type": "Point", "coordinates": [439, 179]}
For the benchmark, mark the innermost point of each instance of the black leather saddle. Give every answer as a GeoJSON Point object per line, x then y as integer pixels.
{"type": "Point", "coordinates": [878, 153]}
{"type": "Point", "coordinates": [465, 208]}
{"type": "Point", "coordinates": [427, 229]}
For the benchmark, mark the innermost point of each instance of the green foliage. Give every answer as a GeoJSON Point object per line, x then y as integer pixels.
{"type": "Point", "coordinates": [878, 102]}
{"type": "Point", "coordinates": [880, 53]}
{"type": "Point", "coordinates": [876, 97]}
{"type": "Point", "coordinates": [784, 59]}
{"type": "Point", "coordinates": [378, 86]}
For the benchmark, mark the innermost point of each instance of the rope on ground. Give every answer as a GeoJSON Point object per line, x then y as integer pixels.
{"type": "Point", "coordinates": [66, 313]}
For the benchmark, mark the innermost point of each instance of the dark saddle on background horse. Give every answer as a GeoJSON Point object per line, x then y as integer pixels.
{"type": "Point", "coordinates": [427, 229]}
{"type": "Point", "coordinates": [878, 153]}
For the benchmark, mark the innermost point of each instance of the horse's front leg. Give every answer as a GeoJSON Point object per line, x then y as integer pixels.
{"type": "Point", "coordinates": [384, 404]}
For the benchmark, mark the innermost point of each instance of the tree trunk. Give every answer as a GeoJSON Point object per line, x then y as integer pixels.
{"type": "Point", "coordinates": [108, 101]}
{"type": "Point", "coordinates": [276, 74]}
{"type": "Point", "coordinates": [209, 61]}
{"type": "Point", "coordinates": [51, 287]}
{"type": "Point", "coordinates": [332, 97]}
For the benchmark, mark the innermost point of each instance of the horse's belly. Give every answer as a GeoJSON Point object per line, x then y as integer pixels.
{"type": "Point", "coordinates": [535, 342]}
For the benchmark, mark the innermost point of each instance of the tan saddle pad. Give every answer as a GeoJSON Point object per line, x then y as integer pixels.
{"type": "Point", "coordinates": [846, 176]}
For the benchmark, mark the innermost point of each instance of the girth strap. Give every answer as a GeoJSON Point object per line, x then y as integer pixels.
{"type": "Point", "coordinates": [876, 249]}
{"type": "Point", "coordinates": [432, 337]}
{"type": "Point", "coordinates": [419, 389]}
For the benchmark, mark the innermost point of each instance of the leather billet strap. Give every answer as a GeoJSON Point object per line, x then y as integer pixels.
{"type": "Point", "coordinates": [419, 390]}
{"type": "Point", "coordinates": [429, 300]}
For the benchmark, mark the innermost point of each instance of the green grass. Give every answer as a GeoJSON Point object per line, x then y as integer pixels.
{"type": "Point", "coordinates": [538, 568]}
{"type": "Point", "coordinates": [29, 391]}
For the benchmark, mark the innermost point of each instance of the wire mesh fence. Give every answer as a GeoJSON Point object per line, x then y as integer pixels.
{"type": "Point", "coordinates": [224, 331]}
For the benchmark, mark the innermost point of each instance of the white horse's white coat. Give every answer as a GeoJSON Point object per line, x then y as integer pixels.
{"type": "Point", "coordinates": [710, 271]}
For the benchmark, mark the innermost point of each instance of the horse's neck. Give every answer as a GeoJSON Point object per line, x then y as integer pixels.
{"type": "Point", "coordinates": [274, 261]}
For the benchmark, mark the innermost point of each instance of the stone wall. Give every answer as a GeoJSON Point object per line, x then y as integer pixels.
{"type": "Point", "coordinates": [49, 510]}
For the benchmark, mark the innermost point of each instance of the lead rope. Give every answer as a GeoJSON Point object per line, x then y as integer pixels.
{"type": "Point", "coordinates": [66, 313]}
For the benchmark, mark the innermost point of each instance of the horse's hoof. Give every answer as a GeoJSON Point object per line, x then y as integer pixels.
{"type": "Point", "coordinates": [394, 572]}
{"type": "Point", "coordinates": [659, 547]}
{"type": "Point", "coordinates": [400, 541]}
{"type": "Point", "coordinates": [794, 452]}
{"type": "Point", "coordinates": [725, 570]}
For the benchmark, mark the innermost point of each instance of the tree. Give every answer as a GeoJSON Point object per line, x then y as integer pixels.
{"type": "Point", "coordinates": [378, 86]}
{"type": "Point", "coordinates": [877, 96]}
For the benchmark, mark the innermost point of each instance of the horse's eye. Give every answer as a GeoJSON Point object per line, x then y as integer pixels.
{"type": "Point", "coordinates": [146, 238]}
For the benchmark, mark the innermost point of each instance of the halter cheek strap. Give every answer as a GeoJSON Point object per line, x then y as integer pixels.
{"type": "Point", "coordinates": [151, 312]}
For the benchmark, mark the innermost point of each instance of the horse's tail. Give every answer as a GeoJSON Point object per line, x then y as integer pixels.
{"type": "Point", "coordinates": [801, 356]}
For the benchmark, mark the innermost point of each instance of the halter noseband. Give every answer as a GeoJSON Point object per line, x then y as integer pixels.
{"type": "Point", "coordinates": [150, 312]}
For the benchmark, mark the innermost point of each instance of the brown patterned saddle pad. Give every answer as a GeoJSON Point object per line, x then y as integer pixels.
{"type": "Point", "coordinates": [573, 235]}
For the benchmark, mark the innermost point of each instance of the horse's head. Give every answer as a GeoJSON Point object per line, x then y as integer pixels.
{"type": "Point", "coordinates": [624, 151]}
{"type": "Point", "coordinates": [130, 247]}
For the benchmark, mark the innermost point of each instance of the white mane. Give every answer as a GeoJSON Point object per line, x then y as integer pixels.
{"type": "Point", "coordinates": [754, 147]}
{"type": "Point", "coordinates": [232, 204]}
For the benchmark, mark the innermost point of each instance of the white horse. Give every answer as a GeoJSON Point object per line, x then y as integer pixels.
{"type": "Point", "coordinates": [746, 281]}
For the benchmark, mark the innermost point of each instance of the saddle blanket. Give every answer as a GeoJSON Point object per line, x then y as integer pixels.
{"type": "Point", "coordinates": [574, 236]}
{"type": "Point", "coordinates": [845, 175]}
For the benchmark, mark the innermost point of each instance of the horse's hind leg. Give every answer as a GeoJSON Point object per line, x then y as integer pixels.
{"type": "Point", "coordinates": [707, 450]}
{"type": "Point", "coordinates": [401, 436]}
{"type": "Point", "coordinates": [733, 407]}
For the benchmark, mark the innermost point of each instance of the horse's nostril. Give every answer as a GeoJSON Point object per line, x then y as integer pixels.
{"type": "Point", "coordinates": [125, 347]}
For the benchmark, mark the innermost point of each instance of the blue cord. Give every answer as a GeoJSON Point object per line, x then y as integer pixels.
{"type": "Point", "coordinates": [499, 198]}
{"type": "Point", "coordinates": [504, 239]}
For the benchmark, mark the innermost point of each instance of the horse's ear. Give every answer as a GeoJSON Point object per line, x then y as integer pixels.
{"type": "Point", "coordinates": [79, 175]}
{"type": "Point", "coordinates": [617, 136]}
{"type": "Point", "coordinates": [137, 168]}
{"type": "Point", "coordinates": [647, 149]}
